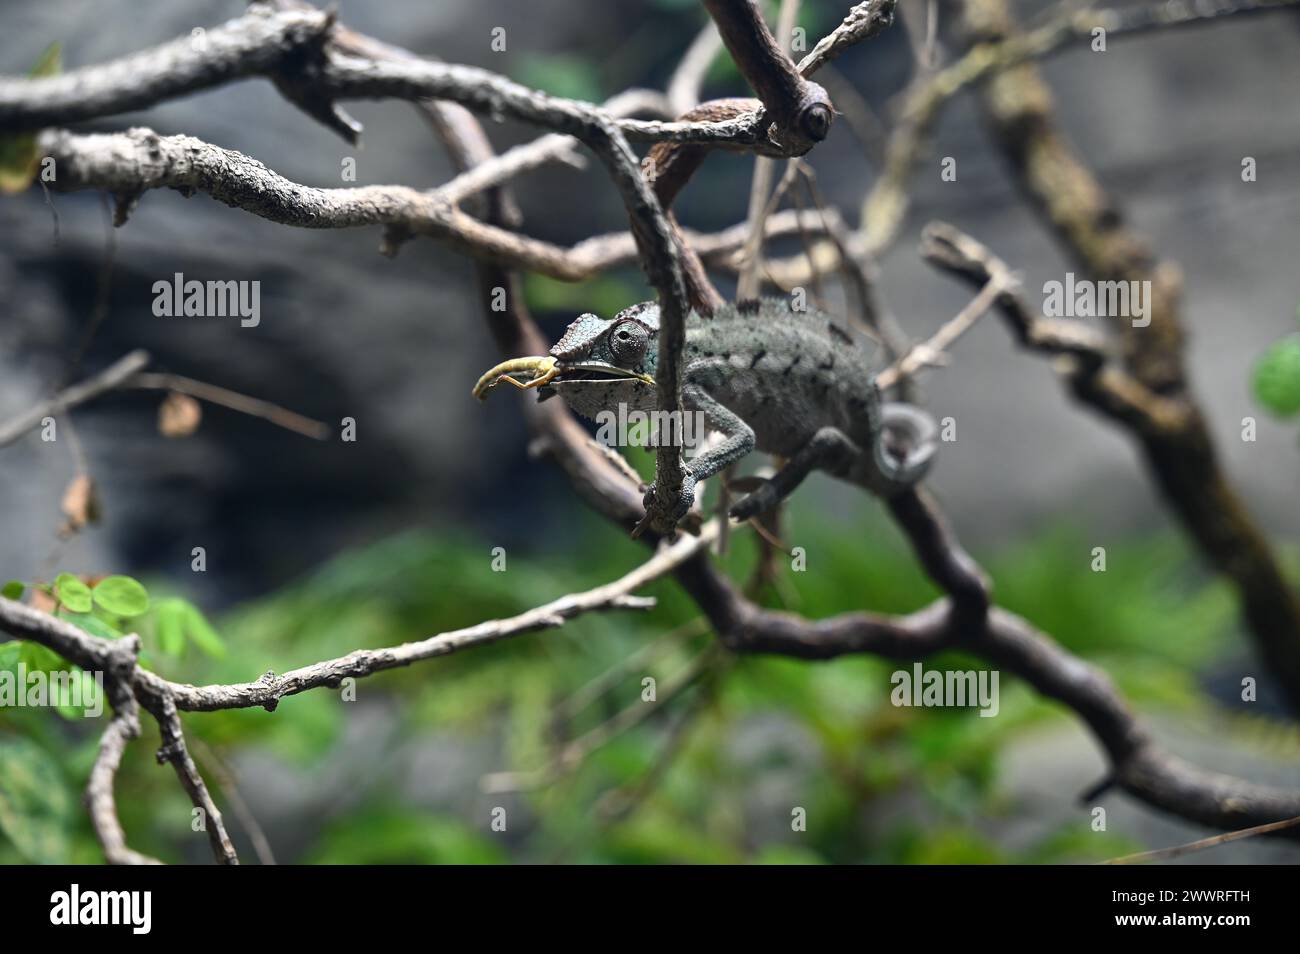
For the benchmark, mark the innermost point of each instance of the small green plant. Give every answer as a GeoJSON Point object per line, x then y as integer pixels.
{"type": "Point", "coordinates": [1277, 376]}
{"type": "Point", "coordinates": [109, 607]}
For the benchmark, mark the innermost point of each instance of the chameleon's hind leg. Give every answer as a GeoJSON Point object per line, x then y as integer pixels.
{"type": "Point", "coordinates": [828, 449]}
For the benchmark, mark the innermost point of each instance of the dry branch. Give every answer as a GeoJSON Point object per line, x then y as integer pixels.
{"type": "Point", "coordinates": [1179, 450]}
{"type": "Point", "coordinates": [256, 44]}
{"type": "Point", "coordinates": [162, 707]}
{"type": "Point", "coordinates": [107, 380]}
{"type": "Point", "coordinates": [127, 374]}
{"type": "Point", "coordinates": [93, 653]}
{"type": "Point", "coordinates": [863, 21]}
{"type": "Point", "coordinates": [115, 660]}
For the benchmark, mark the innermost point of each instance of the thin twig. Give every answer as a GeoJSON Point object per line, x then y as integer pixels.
{"type": "Point", "coordinates": [1161, 854]}
{"type": "Point", "coordinates": [590, 692]}
{"type": "Point", "coordinates": [930, 352]}
{"type": "Point", "coordinates": [573, 753]}
{"type": "Point", "coordinates": [109, 379]}
{"type": "Point", "coordinates": [103, 289]}
{"type": "Point", "coordinates": [254, 407]}
{"type": "Point", "coordinates": [229, 786]}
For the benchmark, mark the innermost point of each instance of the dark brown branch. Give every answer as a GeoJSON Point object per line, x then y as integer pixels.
{"type": "Point", "coordinates": [863, 21]}
{"type": "Point", "coordinates": [595, 476]}
{"type": "Point", "coordinates": [1019, 109]}
{"type": "Point", "coordinates": [1139, 766]}
{"type": "Point", "coordinates": [1093, 371]}
{"type": "Point", "coordinates": [799, 109]}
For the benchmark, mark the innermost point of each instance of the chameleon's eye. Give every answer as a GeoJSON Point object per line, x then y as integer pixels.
{"type": "Point", "coordinates": [628, 341]}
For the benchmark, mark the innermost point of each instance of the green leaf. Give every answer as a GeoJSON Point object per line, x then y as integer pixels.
{"type": "Point", "coordinates": [13, 590]}
{"type": "Point", "coordinates": [88, 690]}
{"type": "Point", "coordinates": [201, 633]}
{"type": "Point", "coordinates": [18, 162]}
{"type": "Point", "coordinates": [121, 596]}
{"type": "Point", "coordinates": [18, 158]}
{"type": "Point", "coordinates": [1277, 377]}
{"type": "Point", "coordinates": [35, 804]}
{"type": "Point", "coordinates": [92, 624]}
{"type": "Point", "coordinates": [72, 593]}
{"type": "Point", "coordinates": [170, 617]}
{"type": "Point", "coordinates": [38, 658]}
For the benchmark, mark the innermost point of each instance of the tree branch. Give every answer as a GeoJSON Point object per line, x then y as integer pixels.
{"type": "Point", "coordinates": [1182, 458]}
{"type": "Point", "coordinates": [1139, 767]}
{"type": "Point", "coordinates": [163, 708]}
{"type": "Point", "coordinates": [107, 380]}
{"type": "Point", "coordinates": [92, 653]}
{"type": "Point", "coordinates": [126, 374]}
{"type": "Point", "coordinates": [799, 110]}
{"type": "Point", "coordinates": [259, 43]}
{"type": "Point", "coordinates": [864, 21]}
{"type": "Point", "coordinates": [116, 660]}
{"type": "Point", "coordinates": [299, 50]}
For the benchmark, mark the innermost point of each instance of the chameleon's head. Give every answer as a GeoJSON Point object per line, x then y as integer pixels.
{"type": "Point", "coordinates": [597, 365]}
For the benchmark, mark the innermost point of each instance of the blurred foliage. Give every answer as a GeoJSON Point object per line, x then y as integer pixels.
{"type": "Point", "coordinates": [1276, 379]}
{"type": "Point", "coordinates": [560, 74]}
{"type": "Point", "coordinates": [395, 776]}
{"type": "Point", "coordinates": [605, 295]}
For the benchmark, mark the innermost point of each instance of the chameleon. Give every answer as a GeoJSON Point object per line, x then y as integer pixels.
{"type": "Point", "coordinates": [768, 377]}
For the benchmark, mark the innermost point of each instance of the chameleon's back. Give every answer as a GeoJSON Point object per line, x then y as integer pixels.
{"type": "Point", "coordinates": [787, 373]}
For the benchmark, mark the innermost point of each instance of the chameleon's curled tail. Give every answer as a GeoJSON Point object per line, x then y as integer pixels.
{"type": "Point", "coordinates": [919, 437]}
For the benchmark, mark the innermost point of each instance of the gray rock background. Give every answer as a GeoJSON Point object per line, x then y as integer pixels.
{"type": "Point", "coordinates": [1164, 119]}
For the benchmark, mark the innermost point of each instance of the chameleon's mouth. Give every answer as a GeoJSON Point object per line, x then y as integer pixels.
{"type": "Point", "coordinates": [598, 371]}
{"type": "Point", "coordinates": [542, 370]}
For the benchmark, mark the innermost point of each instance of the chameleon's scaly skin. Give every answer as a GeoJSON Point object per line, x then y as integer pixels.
{"type": "Point", "coordinates": [770, 378]}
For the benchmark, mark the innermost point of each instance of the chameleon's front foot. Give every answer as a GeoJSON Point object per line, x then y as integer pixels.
{"type": "Point", "coordinates": [680, 506]}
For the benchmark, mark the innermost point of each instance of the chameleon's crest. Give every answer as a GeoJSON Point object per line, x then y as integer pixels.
{"type": "Point", "coordinates": [578, 337]}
